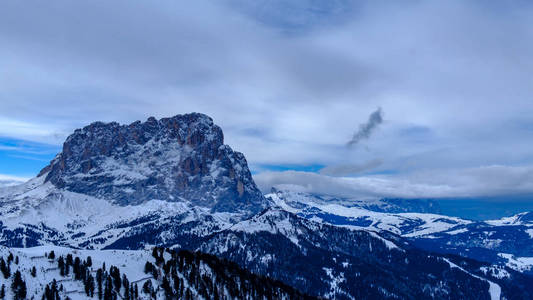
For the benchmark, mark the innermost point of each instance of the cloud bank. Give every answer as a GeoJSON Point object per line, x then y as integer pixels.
{"type": "Point", "coordinates": [487, 181]}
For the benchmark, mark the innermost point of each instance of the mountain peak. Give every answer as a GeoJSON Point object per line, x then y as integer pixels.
{"type": "Point", "coordinates": [181, 158]}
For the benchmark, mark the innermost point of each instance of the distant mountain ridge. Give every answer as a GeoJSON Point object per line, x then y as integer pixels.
{"type": "Point", "coordinates": [507, 241]}
{"type": "Point", "coordinates": [386, 205]}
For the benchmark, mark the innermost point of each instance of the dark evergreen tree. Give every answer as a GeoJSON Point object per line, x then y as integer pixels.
{"type": "Point", "coordinates": [108, 291]}
{"type": "Point", "coordinates": [89, 285]}
{"type": "Point", "coordinates": [33, 271]}
{"type": "Point", "coordinates": [165, 285]}
{"type": "Point", "coordinates": [99, 281]}
{"type": "Point", "coordinates": [17, 260]}
{"type": "Point", "coordinates": [147, 287]}
{"type": "Point", "coordinates": [3, 292]}
{"type": "Point", "coordinates": [47, 293]}
{"type": "Point", "coordinates": [18, 286]}
{"type": "Point", "coordinates": [155, 273]}
{"type": "Point", "coordinates": [76, 268]}
{"type": "Point", "coordinates": [61, 266]}
{"type": "Point", "coordinates": [4, 268]}
{"type": "Point", "coordinates": [10, 258]}
{"type": "Point", "coordinates": [89, 261]}
{"type": "Point", "coordinates": [115, 274]}
{"type": "Point", "coordinates": [126, 284]}
{"type": "Point", "coordinates": [55, 289]}
{"type": "Point", "coordinates": [148, 267]}
{"type": "Point", "coordinates": [68, 262]}
{"type": "Point", "coordinates": [51, 292]}
{"type": "Point", "coordinates": [52, 255]}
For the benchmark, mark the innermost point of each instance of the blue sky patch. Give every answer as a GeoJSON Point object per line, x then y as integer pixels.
{"type": "Point", "coordinates": [24, 158]}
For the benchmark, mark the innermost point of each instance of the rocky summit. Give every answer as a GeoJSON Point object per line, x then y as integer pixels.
{"type": "Point", "coordinates": [171, 159]}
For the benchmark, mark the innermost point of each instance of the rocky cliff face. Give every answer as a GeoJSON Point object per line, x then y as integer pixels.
{"type": "Point", "coordinates": [172, 159]}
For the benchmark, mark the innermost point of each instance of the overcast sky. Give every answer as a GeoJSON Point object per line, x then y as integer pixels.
{"type": "Point", "coordinates": [437, 95]}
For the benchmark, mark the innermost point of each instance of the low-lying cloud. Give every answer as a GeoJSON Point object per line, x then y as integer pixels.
{"type": "Point", "coordinates": [350, 169]}
{"type": "Point", "coordinates": [486, 181]}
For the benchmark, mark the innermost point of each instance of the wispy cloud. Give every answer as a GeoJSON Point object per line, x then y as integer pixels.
{"type": "Point", "coordinates": [5, 177]}
{"type": "Point", "coordinates": [350, 169]}
{"type": "Point", "coordinates": [485, 181]}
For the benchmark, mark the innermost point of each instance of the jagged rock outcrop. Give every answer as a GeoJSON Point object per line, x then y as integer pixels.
{"type": "Point", "coordinates": [171, 159]}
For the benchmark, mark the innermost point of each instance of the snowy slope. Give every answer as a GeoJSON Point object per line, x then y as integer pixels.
{"type": "Point", "coordinates": [195, 271]}
{"type": "Point", "coordinates": [406, 224]}
{"type": "Point", "coordinates": [65, 218]}
{"type": "Point", "coordinates": [505, 242]}
{"type": "Point", "coordinates": [129, 262]}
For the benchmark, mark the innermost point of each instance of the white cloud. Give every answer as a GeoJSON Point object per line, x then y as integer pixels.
{"type": "Point", "coordinates": [8, 180]}
{"type": "Point", "coordinates": [487, 181]}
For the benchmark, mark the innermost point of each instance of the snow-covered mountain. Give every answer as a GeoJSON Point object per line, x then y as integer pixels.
{"type": "Point", "coordinates": [173, 183]}
{"type": "Point", "coordinates": [508, 241]}
{"type": "Point", "coordinates": [172, 159]}
{"type": "Point", "coordinates": [171, 175]}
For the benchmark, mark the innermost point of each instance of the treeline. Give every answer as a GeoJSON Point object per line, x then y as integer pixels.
{"type": "Point", "coordinates": [187, 275]}
{"type": "Point", "coordinates": [174, 275]}
{"type": "Point", "coordinates": [106, 284]}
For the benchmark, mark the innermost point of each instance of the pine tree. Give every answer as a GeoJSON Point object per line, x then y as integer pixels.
{"type": "Point", "coordinates": [69, 261]}
{"type": "Point", "coordinates": [17, 260]}
{"type": "Point", "coordinates": [51, 292]}
{"type": "Point", "coordinates": [4, 268]}
{"type": "Point", "coordinates": [147, 287]}
{"type": "Point", "coordinates": [52, 255]}
{"type": "Point", "coordinates": [61, 265]}
{"type": "Point", "coordinates": [155, 273]}
{"type": "Point", "coordinates": [47, 293]}
{"type": "Point", "coordinates": [165, 285]}
{"type": "Point", "coordinates": [148, 267]}
{"type": "Point", "coordinates": [18, 286]}
{"type": "Point", "coordinates": [89, 285]}
{"type": "Point", "coordinates": [10, 258]}
{"type": "Point", "coordinates": [76, 268]}
{"type": "Point", "coordinates": [126, 284]}
{"type": "Point", "coordinates": [115, 274]}
{"type": "Point", "coordinates": [136, 291]}
{"type": "Point", "coordinates": [3, 292]}
{"type": "Point", "coordinates": [89, 262]}
{"type": "Point", "coordinates": [99, 280]}
{"type": "Point", "coordinates": [33, 271]}
{"type": "Point", "coordinates": [108, 291]}
{"type": "Point", "coordinates": [155, 253]}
